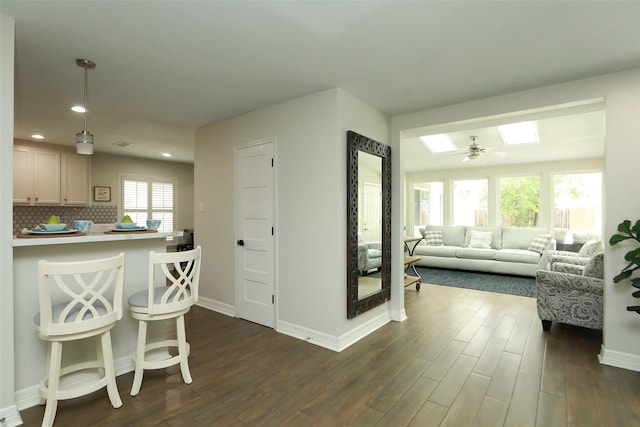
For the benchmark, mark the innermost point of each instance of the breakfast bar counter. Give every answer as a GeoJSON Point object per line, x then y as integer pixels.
{"type": "Point", "coordinates": [30, 351]}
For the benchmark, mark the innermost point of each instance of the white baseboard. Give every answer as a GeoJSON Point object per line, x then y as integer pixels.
{"type": "Point", "coordinates": [305, 334]}
{"type": "Point", "coordinates": [332, 342]}
{"type": "Point", "coordinates": [619, 359]}
{"type": "Point", "coordinates": [358, 333]}
{"type": "Point", "coordinates": [399, 315]}
{"type": "Point", "coordinates": [10, 417]}
{"type": "Point", "coordinates": [216, 306]}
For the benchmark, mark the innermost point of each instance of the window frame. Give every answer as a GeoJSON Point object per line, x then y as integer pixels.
{"type": "Point", "coordinates": [149, 180]}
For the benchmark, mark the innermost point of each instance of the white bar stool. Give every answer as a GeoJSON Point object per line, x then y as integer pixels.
{"type": "Point", "coordinates": [91, 292]}
{"type": "Point", "coordinates": [181, 273]}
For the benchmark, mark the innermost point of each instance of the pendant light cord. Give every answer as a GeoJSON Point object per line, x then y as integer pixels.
{"type": "Point", "coordinates": [86, 110]}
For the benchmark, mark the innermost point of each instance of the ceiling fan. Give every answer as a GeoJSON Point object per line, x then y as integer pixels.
{"type": "Point", "coordinates": [474, 150]}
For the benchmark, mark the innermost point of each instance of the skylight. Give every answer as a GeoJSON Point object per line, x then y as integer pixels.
{"type": "Point", "coordinates": [519, 133]}
{"type": "Point", "coordinates": [440, 143]}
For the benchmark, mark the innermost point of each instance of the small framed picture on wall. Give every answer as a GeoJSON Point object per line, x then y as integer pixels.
{"type": "Point", "coordinates": [101, 193]}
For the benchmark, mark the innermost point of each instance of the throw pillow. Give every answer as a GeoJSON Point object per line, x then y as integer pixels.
{"type": "Point", "coordinates": [595, 266]}
{"type": "Point", "coordinates": [480, 239]}
{"type": "Point", "coordinates": [590, 248]}
{"type": "Point", "coordinates": [433, 238]}
{"type": "Point", "coordinates": [540, 243]}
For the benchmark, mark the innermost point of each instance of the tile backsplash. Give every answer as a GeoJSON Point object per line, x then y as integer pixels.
{"type": "Point", "coordinates": [30, 216]}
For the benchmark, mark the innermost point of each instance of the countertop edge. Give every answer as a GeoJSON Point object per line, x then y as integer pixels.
{"type": "Point", "coordinates": [89, 238]}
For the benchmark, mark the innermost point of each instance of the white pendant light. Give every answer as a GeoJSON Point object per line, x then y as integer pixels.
{"type": "Point", "coordinates": [84, 139]}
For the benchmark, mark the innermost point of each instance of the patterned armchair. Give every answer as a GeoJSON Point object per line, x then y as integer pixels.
{"type": "Point", "coordinates": [369, 255]}
{"type": "Point", "coordinates": [571, 296]}
{"type": "Point", "coordinates": [579, 258]}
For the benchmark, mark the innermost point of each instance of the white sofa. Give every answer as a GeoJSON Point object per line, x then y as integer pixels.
{"type": "Point", "coordinates": [504, 250]}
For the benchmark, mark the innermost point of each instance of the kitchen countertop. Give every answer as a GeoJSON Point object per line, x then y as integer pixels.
{"type": "Point", "coordinates": [90, 237]}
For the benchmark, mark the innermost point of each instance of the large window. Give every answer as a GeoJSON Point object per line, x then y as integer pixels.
{"type": "Point", "coordinates": [428, 210]}
{"type": "Point", "coordinates": [520, 201]}
{"type": "Point", "coordinates": [578, 202]}
{"type": "Point", "coordinates": [470, 202]}
{"type": "Point", "coordinates": [145, 198]}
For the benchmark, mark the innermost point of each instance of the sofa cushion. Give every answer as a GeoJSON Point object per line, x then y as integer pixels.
{"type": "Point", "coordinates": [496, 238]}
{"type": "Point", "coordinates": [540, 243]}
{"type": "Point", "coordinates": [518, 255]}
{"type": "Point", "coordinates": [375, 253]}
{"type": "Point", "coordinates": [473, 253]}
{"type": "Point", "coordinates": [480, 239]}
{"type": "Point", "coordinates": [451, 235]}
{"type": "Point", "coordinates": [590, 248]}
{"type": "Point", "coordinates": [441, 251]}
{"type": "Point", "coordinates": [595, 266]}
{"type": "Point", "coordinates": [433, 237]}
{"type": "Point", "coordinates": [563, 267]}
{"type": "Point", "coordinates": [519, 237]}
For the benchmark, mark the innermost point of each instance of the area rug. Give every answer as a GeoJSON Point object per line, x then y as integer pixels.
{"type": "Point", "coordinates": [500, 283]}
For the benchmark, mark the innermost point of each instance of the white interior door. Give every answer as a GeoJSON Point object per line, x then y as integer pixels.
{"type": "Point", "coordinates": [372, 212]}
{"type": "Point", "coordinates": [255, 296]}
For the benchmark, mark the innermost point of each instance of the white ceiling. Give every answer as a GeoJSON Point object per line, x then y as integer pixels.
{"type": "Point", "coordinates": [167, 68]}
{"type": "Point", "coordinates": [565, 132]}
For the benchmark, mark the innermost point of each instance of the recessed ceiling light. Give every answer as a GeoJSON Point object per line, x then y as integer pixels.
{"type": "Point", "coordinates": [78, 108]}
{"type": "Point", "coordinates": [167, 155]}
{"type": "Point", "coordinates": [519, 133]}
{"type": "Point", "coordinates": [37, 136]}
{"type": "Point", "coordinates": [440, 143]}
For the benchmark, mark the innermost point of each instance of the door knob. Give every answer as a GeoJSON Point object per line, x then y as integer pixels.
{"type": "Point", "coordinates": [240, 242]}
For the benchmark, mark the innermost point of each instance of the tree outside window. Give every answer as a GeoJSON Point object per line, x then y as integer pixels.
{"type": "Point", "coordinates": [520, 201]}
{"type": "Point", "coordinates": [578, 202]}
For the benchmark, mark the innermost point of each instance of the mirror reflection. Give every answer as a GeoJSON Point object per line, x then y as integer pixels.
{"type": "Point", "coordinates": [369, 224]}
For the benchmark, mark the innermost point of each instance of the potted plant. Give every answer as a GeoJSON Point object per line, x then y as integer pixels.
{"type": "Point", "coordinates": [626, 232]}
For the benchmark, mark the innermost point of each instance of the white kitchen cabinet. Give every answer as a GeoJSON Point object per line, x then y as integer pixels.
{"type": "Point", "coordinates": [22, 176]}
{"type": "Point", "coordinates": [36, 176]}
{"type": "Point", "coordinates": [75, 179]}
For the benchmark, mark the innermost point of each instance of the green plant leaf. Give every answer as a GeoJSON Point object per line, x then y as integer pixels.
{"type": "Point", "coordinates": [617, 238]}
{"type": "Point", "coordinates": [625, 227]}
{"type": "Point", "coordinates": [635, 282]}
{"type": "Point", "coordinates": [633, 256]}
{"type": "Point", "coordinates": [623, 275]}
{"type": "Point", "coordinates": [635, 294]}
{"type": "Point", "coordinates": [636, 228]}
{"type": "Point", "coordinates": [635, 308]}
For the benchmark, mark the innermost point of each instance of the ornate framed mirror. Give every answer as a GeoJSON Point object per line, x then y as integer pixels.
{"type": "Point", "coordinates": [368, 224]}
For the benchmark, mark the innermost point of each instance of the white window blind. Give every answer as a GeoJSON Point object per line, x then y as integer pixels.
{"type": "Point", "coordinates": [147, 198]}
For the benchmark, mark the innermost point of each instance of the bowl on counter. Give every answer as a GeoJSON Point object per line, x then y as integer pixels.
{"type": "Point", "coordinates": [153, 224]}
{"type": "Point", "coordinates": [53, 227]}
{"type": "Point", "coordinates": [126, 225]}
{"type": "Point", "coordinates": [82, 224]}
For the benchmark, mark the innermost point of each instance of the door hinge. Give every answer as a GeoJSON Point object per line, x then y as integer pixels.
{"type": "Point", "coordinates": [273, 299]}
{"type": "Point", "coordinates": [273, 231]}
{"type": "Point", "coordinates": [272, 162]}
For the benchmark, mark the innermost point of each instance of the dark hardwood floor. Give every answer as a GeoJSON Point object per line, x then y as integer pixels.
{"type": "Point", "coordinates": [463, 358]}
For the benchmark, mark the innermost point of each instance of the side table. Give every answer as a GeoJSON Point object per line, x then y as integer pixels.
{"type": "Point", "coordinates": [410, 244]}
